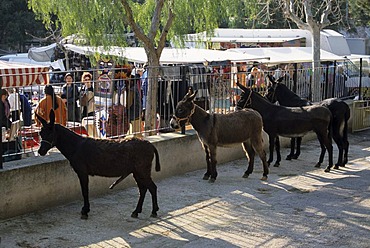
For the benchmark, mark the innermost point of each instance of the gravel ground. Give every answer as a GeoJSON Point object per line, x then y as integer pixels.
{"type": "Point", "coordinates": [299, 206]}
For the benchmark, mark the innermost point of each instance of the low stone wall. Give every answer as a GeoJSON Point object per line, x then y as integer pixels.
{"type": "Point", "coordinates": [37, 183]}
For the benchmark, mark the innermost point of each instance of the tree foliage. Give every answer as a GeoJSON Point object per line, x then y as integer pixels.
{"type": "Point", "coordinates": [359, 12]}
{"type": "Point", "coordinates": [16, 22]}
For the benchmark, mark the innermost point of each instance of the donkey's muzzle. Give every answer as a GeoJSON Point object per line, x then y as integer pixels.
{"type": "Point", "coordinates": [173, 123]}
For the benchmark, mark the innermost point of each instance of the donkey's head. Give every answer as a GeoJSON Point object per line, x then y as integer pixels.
{"type": "Point", "coordinates": [271, 88]}
{"type": "Point", "coordinates": [184, 110]}
{"type": "Point", "coordinates": [245, 97]}
{"type": "Point", "coordinates": [47, 133]}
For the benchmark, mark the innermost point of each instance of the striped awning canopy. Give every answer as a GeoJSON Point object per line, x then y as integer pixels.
{"type": "Point", "coordinates": [19, 74]}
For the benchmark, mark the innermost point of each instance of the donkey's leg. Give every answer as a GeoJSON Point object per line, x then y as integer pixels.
{"type": "Point", "coordinates": [322, 154]}
{"type": "Point", "coordinates": [345, 142]}
{"type": "Point", "coordinates": [249, 152]}
{"type": "Point", "coordinates": [153, 191]}
{"type": "Point", "coordinates": [84, 182]}
{"type": "Point", "coordinates": [292, 146]}
{"type": "Point", "coordinates": [271, 148]}
{"type": "Point", "coordinates": [142, 191]}
{"type": "Point", "coordinates": [338, 140]}
{"type": "Point", "coordinates": [298, 150]}
{"type": "Point", "coordinates": [208, 160]}
{"type": "Point", "coordinates": [325, 142]}
{"type": "Point", "coordinates": [258, 148]}
{"type": "Point", "coordinates": [345, 148]}
{"type": "Point", "coordinates": [278, 155]}
{"type": "Point", "coordinates": [213, 154]}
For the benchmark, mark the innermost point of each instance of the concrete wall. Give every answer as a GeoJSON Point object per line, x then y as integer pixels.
{"type": "Point", "coordinates": [37, 183]}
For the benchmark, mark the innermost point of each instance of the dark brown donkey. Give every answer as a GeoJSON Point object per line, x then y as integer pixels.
{"type": "Point", "coordinates": [106, 158]}
{"type": "Point", "coordinates": [290, 122]}
{"type": "Point", "coordinates": [222, 130]}
{"type": "Point", "coordinates": [279, 92]}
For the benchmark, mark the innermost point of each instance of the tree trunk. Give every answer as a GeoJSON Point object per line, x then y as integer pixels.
{"type": "Point", "coordinates": [151, 103]}
{"type": "Point", "coordinates": [316, 82]}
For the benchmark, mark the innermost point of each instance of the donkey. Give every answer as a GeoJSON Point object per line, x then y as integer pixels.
{"type": "Point", "coordinates": [290, 122]}
{"type": "Point", "coordinates": [222, 130]}
{"type": "Point", "coordinates": [106, 158]}
{"type": "Point", "coordinates": [278, 92]}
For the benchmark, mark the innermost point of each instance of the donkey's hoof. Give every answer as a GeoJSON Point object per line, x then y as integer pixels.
{"type": "Point", "coordinates": [318, 165]}
{"type": "Point", "coordinates": [212, 180]}
{"type": "Point", "coordinates": [276, 164]}
{"type": "Point", "coordinates": [206, 177]}
{"type": "Point", "coordinates": [246, 175]}
{"type": "Point", "coordinates": [327, 170]}
{"type": "Point", "coordinates": [84, 216]}
{"type": "Point", "coordinates": [264, 178]}
{"type": "Point", "coordinates": [289, 157]}
{"type": "Point", "coordinates": [154, 215]}
{"type": "Point", "coordinates": [135, 215]}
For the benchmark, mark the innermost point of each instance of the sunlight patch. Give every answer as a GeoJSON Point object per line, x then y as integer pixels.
{"type": "Point", "coordinates": [115, 242]}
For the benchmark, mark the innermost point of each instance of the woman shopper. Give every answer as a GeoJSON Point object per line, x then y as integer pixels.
{"type": "Point", "coordinates": [87, 95]}
{"type": "Point", "coordinates": [51, 101]}
{"type": "Point", "coordinates": [70, 96]}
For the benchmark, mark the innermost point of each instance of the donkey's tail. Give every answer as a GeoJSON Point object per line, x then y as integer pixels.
{"type": "Point", "coordinates": [157, 164]}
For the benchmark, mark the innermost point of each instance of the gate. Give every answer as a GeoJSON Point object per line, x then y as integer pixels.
{"type": "Point", "coordinates": [361, 115]}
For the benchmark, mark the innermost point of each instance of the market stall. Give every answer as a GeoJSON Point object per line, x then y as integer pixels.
{"type": "Point", "coordinates": [19, 74]}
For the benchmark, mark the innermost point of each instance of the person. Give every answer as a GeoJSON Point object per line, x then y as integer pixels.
{"type": "Point", "coordinates": [5, 109]}
{"type": "Point", "coordinates": [251, 78]}
{"type": "Point", "coordinates": [15, 104]}
{"type": "Point", "coordinates": [26, 110]}
{"type": "Point", "coordinates": [51, 101]}
{"type": "Point", "coordinates": [144, 90]}
{"type": "Point", "coordinates": [144, 86]}
{"type": "Point", "coordinates": [87, 95]}
{"type": "Point", "coordinates": [70, 95]}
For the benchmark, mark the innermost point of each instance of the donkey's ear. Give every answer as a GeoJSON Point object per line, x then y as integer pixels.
{"type": "Point", "coordinates": [192, 96]}
{"type": "Point", "coordinates": [52, 117]}
{"type": "Point", "coordinates": [242, 87]}
{"type": "Point", "coordinates": [271, 78]}
{"type": "Point", "coordinates": [190, 91]}
{"type": "Point", "coordinates": [189, 94]}
{"type": "Point", "coordinates": [280, 79]}
{"type": "Point", "coordinates": [42, 120]}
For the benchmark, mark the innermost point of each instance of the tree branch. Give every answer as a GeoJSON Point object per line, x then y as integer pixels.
{"type": "Point", "coordinates": [288, 7]}
{"type": "Point", "coordinates": [156, 19]}
{"type": "Point", "coordinates": [139, 33]}
{"type": "Point", "coordinates": [324, 16]}
{"type": "Point", "coordinates": [162, 40]}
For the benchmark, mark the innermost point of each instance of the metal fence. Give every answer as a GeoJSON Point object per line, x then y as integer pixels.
{"type": "Point", "coordinates": [119, 98]}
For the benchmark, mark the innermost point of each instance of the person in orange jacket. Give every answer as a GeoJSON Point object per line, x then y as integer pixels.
{"type": "Point", "coordinates": [51, 101]}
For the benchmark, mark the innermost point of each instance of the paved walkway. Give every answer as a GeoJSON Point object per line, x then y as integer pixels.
{"type": "Point", "coordinates": [299, 206]}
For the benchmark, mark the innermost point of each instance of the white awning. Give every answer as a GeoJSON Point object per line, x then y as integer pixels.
{"type": "Point", "coordinates": [280, 55]}
{"type": "Point", "coordinates": [169, 55]}
{"type": "Point", "coordinates": [253, 39]}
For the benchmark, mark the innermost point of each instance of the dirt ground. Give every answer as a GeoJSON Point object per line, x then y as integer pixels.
{"type": "Point", "coordinates": [299, 206]}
